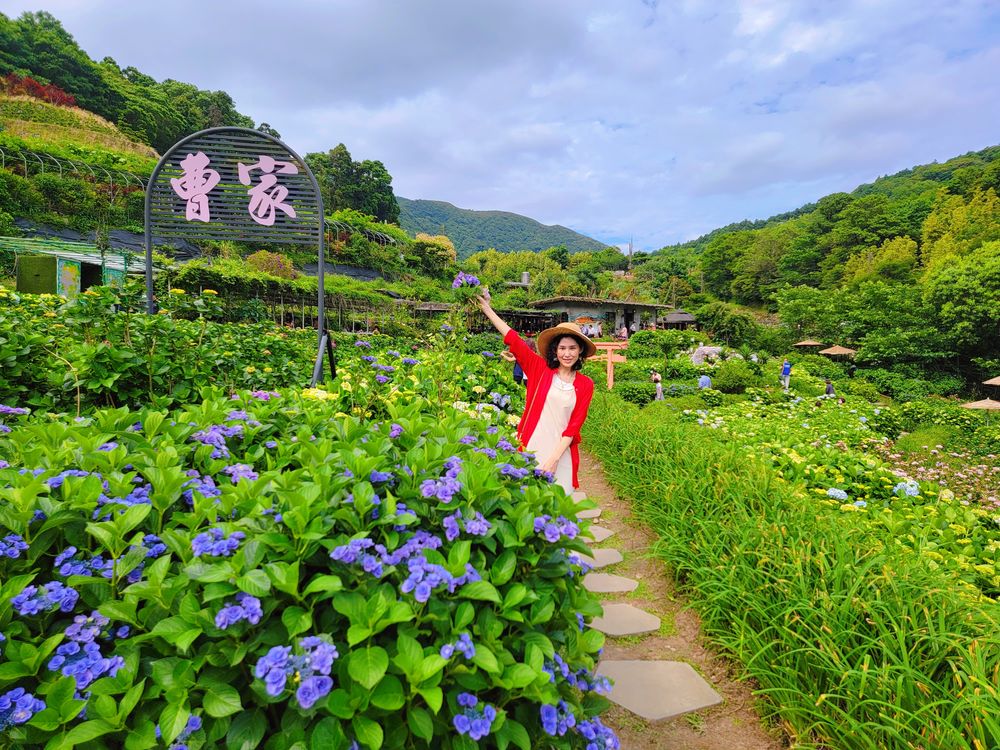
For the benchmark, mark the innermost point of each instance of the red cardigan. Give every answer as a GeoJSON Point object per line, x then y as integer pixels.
{"type": "Point", "coordinates": [539, 381]}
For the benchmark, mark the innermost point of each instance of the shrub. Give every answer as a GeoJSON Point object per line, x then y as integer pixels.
{"type": "Point", "coordinates": [274, 264]}
{"type": "Point", "coordinates": [267, 571]}
{"type": "Point", "coordinates": [711, 397]}
{"type": "Point", "coordinates": [861, 388]}
{"type": "Point", "coordinates": [734, 376]}
{"type": "Point", "coordinates": [635, 392]}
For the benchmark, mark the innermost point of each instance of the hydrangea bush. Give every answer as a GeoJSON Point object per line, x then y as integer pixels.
{"type": "Point", "coordinates": [339, 572]}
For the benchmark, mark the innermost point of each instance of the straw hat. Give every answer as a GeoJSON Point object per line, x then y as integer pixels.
{"type": "Point", "coordinates": [565, 329]}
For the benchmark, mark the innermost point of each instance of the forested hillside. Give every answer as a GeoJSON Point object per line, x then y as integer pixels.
{"type": "Point", "coordinates": [473, 231]}
{"type": "Point", "coordinates": [35, 49]}
{"type": "Point", "coordinates": [906, 268]}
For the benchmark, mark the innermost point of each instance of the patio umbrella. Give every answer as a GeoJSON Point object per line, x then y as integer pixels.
{"type": "Point", "coordinates": [838, 351]}
{"type": "Point", "coordinates": [809, 342]}
{"type": "Point", "coordinates": [987, 404]}
{"type": "Point", "coordinates": [992, 381]}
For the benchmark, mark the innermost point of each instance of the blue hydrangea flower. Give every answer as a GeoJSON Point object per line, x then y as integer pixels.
{"type": "Point", "coordinates": [216, 436]}
{"type": "Point", "coordinates": [310, 670]}
{"type": "Point", "coordinates": [34, 600]}
{"type": "Point", "coordinates": [245, 607]}
{"type": "Point", "coordinates": [215, 543]}
{"type": "Point", "coordinates": [907, 488]}
{"type": "Point", "coordinates": [836, 494]}
{"type": "Point", "coordinates": [557, 719]}
{"type": "Point", "coordinates": [474, 721]}
{"type": "Point", "coordinates": [363, 344]}
{"type": "Point", "coordinates": [17, 707]}
{"type": "Point", "coordinates": [555, 529]}
{"type": "Point", "coordinates": [84, 662]}
{"type": "Point", "coordinates": [12, 546]}
{"type": "Point", "coordinates": [513, 472]}
{"type": "Point", "coordinates": [237, 472]}
{"type": "Point", "coordinates": [598, 736]}
{"type": "Point", "coordinates": [410, 361]}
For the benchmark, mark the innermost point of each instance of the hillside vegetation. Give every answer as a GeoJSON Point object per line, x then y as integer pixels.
{"type": "Point", "coordinates": [41, 126]}
{"type": "Point", "coordinates": [472, 231]}
{"type": "Point", "coordinates": [906, 269]}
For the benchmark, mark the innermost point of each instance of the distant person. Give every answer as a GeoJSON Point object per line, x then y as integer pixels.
{"type": "Point", "coordinates": [634, 326]}
{"type": "Point", "coordinates": [656, 378]}
{"type": "Point", "coordinates": [786, 374]}
{"type": "Point", "coordinates": [829, 392]}
{"type": "Point", "coordinates": [623, 334]}
{"type": "Point", "coordinates": [598, 331]}
{"type": "Point", "coordinates": [704, 382]}
{"type": "Point", "coordinates": [851, 369]}
{"type": "Point", "coordinates": [520, 377]}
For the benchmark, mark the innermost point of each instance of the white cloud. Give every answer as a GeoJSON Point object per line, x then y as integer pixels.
{"type": "Point", "coordinates": [660, 121]}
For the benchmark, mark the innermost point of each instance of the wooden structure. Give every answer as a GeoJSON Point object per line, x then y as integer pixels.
{"type": "Point", "coordinates": [608, 352]}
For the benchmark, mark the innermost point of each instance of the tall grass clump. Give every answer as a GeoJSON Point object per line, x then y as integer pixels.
{"type": "Point", "coordinates": [855, 642]}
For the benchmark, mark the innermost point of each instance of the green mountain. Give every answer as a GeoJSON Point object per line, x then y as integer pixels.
{"type": "Point", "coordinates": [472, 231]}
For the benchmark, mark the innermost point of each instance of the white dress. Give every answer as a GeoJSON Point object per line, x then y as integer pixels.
{"type": "Point", "coordinates": [556, 411]}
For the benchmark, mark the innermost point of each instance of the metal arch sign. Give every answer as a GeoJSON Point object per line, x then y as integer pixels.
{"type": "Point", "coordinates": [236, 184]}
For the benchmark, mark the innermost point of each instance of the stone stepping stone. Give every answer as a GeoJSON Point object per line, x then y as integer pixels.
{"type": "Point", "coordinates": [604, 583]}
{"type": "Point", "coordinates": [597, 534]}
{"type": "Point", "coordinates": [658, 690]}
{"type": "Point", "coordinates": [592, 513]}
{"type": "Point", "coordinates": [624, 619]}
{"type": "Point", "coordinates": [579, 495]}
{"type": "Point", "coordinates": [602, 558]}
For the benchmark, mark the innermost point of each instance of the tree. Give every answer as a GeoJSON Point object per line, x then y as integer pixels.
{"type": "Point", "coordinates": [893, 259]}
{"type": "Point", "coordinates": [965, 292]}
{"type": "Point", "coordinates": [268, 130]}
{"type": "Point", "coordinates": [956, 226]}
{"type": "Point", "coordinates": [559, 254]}
{"type": "Point", "coordinates": [363, 186]}
{"type": "Point", "coordinates": [718, 262]}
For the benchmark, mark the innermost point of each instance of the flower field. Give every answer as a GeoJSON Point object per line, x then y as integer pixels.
{"type": "Point", "coordinates": [862, 602]}
{"type": "Point", "coordinates": [371, 564]}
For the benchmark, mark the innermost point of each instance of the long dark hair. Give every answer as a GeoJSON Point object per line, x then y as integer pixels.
{"type": "Point", "coordinates": [550, 354]}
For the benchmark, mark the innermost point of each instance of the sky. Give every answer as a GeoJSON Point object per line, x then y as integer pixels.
{"type": "Point", "coordinates": [655, 121]}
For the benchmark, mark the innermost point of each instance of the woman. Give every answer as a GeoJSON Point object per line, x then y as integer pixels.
{"type": "Point", "coordinates": [658, 379]}
{"type": "Point", "coordinates": [558, 395]}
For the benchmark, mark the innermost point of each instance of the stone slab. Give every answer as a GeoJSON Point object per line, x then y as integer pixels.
{"type": "Point", "coordinates": [602, 558]}
{"type": "Point", "coordinates": [597, 534]}
{"type": "Point", "coordinates": [624, 619]}
{"type": "Point", "coordinates": [592, 513]}
{"type": "Point", "coordinates": [603, 583]}
{"type": "Point", "coordinates": [658, 690]}
{"type": "Point", "coordinates": [579, 495]}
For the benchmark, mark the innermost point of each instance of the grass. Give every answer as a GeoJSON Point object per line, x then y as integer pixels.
{"type": "Point", "coordinates": [853, 641]}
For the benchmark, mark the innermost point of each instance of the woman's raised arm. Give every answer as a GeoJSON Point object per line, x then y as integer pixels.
{"type": "Point", "coordinates": [484, 305]}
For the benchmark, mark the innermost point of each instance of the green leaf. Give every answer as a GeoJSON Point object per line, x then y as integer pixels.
{"type": "Point", "coordinates": [519, 675]}
{"type": "Point", "coordinates": [388, 694]}
{"type": "Point", "coordinates": [328, 734]}
{"type": "Point", "coordinates": [503, 568]}
{"type": "Point", "coordinates": [87, 731]}
{"type": "Point", "coordinates": [482, 590]}
{"type": "Point", "coordinates": [465, 613]}
{"type": "Point", "coordinates": [431, 665]}
{"type": "Point", "coordinates": [119, 610]}
{"type": "Point", "coordinates": [367, 665]}
{"type": "Point", "coordinates": [326, 584]}
{"type": "Point", "coordinates": [421, 723]}
{"type": "Point", "coordinates": [284, 576]}
{"type": "Point", "coordinates": [221, 700]}
{"type": "Point", "coordinates": [131, 518]}
{"type": "Point", "coordinates": [434, 697]}
{"type": "Point", "coordinates": [485, 659]}
{"type": "Point", "coordinates": [296, 620]}
{"type": "Point", "coordinates": [368, 732]}
{"type": "Point", "coordinates": [409, 655]}
{"type": "Point", "coordinates": [246, 731]}
{"type": "Point", "coordinates": [173, 719]}
{"type": "Point", "coordinates": [255, 583]}
{"type": "Point", "coordinates": [513, 731]}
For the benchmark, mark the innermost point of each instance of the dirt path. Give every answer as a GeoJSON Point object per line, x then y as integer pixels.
{"type": "Point", "coordinates": [733, 725]}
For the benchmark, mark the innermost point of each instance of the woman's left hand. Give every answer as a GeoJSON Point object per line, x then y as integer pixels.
{"type": "Point", "coordinates": [550, 465]}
